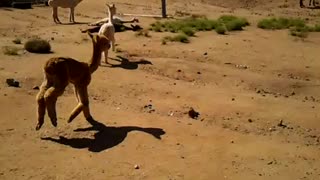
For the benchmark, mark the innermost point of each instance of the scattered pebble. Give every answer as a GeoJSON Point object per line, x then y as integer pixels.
{"type": "Point", "coordinates": [280, 124]}
{"type": "Point", "coordinates": [12, 83]}
{"type": "Point", "coordinates": [136, 166]}
{"type": "Point", "coordinates": [193, 114]}
{"type": "Point", "coordinates": [250, 120]}
{"type": "Point", "coordinates": [205, 53]}
{"type": "Point", "coordinates": [36, 87]}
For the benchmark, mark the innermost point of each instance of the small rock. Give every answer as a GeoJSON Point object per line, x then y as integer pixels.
{"type": "Point", "coordinates": [136, 166]}
{"type": "Point", "coordinates": [280, 124]}
{"type": "Point", "coordinates": [205, 53]}
{"type": "Point", "coordinates": [52, 38]}
{"type": "Point", "coordinates": [198, 72]}
{"type": "Point", "coordinates": [13, 83]}
{"type": "Point", "coordinates": [193, 114]}
{"type": "Point", "coordinates": [271, 162]}
{"type": "Point", "coordinates": [293, 93]}
{"type": "Point", "coordinates": [179, 70]}
{"type": "Point", "coordinates": [36, 87]}
{"type": "Point", "coordinates": [250, 120]}
{"type": "Point", "coordinates": [258, 91]}
{"type": "Point", "coordinates": [232, 99]}
{"type": "Point", "coordinates": [232, 142]}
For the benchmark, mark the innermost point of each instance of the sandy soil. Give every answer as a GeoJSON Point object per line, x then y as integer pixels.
{"type": "Point", "coordinates": [242, 84]}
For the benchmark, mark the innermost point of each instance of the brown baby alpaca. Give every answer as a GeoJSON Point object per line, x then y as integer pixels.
{"type": "Point", "coordinates": [59, 72]}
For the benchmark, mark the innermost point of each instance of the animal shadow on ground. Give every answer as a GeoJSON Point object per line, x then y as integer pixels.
{"type": "Point", "coordinates": [126, 64]}
{"type": "Point", "coordinates": [105, 137]}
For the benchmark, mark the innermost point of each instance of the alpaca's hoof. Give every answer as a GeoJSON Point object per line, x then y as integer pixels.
{"type": "Point", "coordinates": [54, 123]}
{"type": "Point", "coordinates": [69, 120]}
{"type": "Point", "coordinates": [90, 118]}
{"type": "Point", "coordinates": [38, 127]}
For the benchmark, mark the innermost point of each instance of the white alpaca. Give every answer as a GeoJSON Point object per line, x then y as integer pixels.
{"type": "Point", "coordinates": [63, 4]}
{"type": "Point", "coordinates": [108, 30]}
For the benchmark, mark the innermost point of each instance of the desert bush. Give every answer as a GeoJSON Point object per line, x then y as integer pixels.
{"type": "Point", "coordinates": [17, 41]}
{"type": "Point", "coordinates": [316, 28]}
{"type": "Point", "coordinates": [10, 50]}
{"type": "Point", "coordinates": [37, 45]}
{"type": "Point", "coordinates": [301, 32]}
{"type": "Point", "coordinates": [280, 23]}
{"type": "Point", "coordinates": [233, 23]}
{"type": "Point", "coordinates": [144, 33]}
{"type": "Point", "coordinates": [297, 27]}
{"type": "Point", "coordinates": [178, 38]}
{"type": "Point", "coordinates": [191, 25]}
{"type": "Point", "coordinates": [188, 31]}
{"type": "Point", "coordinates": [221, 29]}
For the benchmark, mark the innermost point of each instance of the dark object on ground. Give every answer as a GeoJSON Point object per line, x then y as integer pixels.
{"type": "Point", "coordinates": [118, 28]}
{"type": "Point", "coordinates": [193, 114]}
{"type": "Point", "coordinates": [12, 83]}
{"type": "Point", "coordinates": [37, 45]}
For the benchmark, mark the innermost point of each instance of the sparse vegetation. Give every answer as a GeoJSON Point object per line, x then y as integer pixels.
{"type": "Point", "coordinates": [233, 23]}
{"type": "Point", "coordinates": [297, 27]}
{"type": "Point", "coordinates": [37, 45]}
{"type": "Point", "coordinates": [221, 29]}
{"type": "Point", "coordinates": [144, 33]}
{"type": "Point", "coordinates": [281, 23]}
{"type": "Point", "coordinates": [10, 50]}
{"type": "Point", "coordinates": [177, 38]}
{"type": "Point", "coordinates": [189, 26]}
{"type": "Point", "coordinates": [17, 41]}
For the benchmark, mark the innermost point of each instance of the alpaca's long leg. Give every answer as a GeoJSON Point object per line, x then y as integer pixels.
{"type": "Point", "coordinates": [112, 39]}
{"type": "Point", "coordinates": [71, 18]}
{"type": "Point", "coordinates": [105, 53]}
{"type": "Point", "coordinates": [51, 96]}
{"type": "Point", "coordinates": [301, 4]}
{"type": "Point", "coordinates": [76, 93]}
{"type": "Point", "coordinates": [55, 15]}
{"type": "Point", "coordinates": [82, 106]}
{"type": "Point", "coordinates": [41, 104]}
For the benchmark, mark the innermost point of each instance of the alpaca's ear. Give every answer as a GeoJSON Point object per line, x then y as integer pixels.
{"type": "Point", "coordinates": [113, 5]}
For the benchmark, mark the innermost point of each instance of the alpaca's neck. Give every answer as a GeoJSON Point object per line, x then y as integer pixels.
{"type": "Point", "coordinates": [95, 59]}
{"type": "Point", "coordinates": [110, 15]}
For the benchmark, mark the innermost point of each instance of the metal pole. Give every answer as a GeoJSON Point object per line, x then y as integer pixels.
{"type": "Point", "coordinates": [164, 11]}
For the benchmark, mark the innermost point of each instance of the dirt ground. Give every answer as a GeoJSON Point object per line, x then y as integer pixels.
{"type": "Point", "coordinates": [242, 84]}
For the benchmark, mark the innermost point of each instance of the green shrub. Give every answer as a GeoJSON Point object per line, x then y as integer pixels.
{"type": "Point", "coordinates": [178, 38]}
{"type": "Point", "coordinates": [181, 38]}
{"type": "Point", "coordinates": [144, 33]}
{"type": "Point", "coordinates": [281, 23]}
{"type": "Point", "coordinates": [188, 31]}
{"type": "Point", "coordinates": [221, 29]}
{"type": "Point", "coordinates": [300, 31]}
{"type": "Point", "coordinates": [316, 28]}
{"type": "Point", "coordinates": [37, 45]}
{"type": "Point", "coordinates": [17, 41]}
{"type": "Point", "coordinates": [10, 50]}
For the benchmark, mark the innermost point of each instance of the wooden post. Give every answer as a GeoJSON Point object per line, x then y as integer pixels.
{"type": "Point", "coordinates": [164, 10]}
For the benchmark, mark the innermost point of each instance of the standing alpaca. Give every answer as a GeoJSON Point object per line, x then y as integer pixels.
{"type": "Point", "coordinates": [63, 4]}
{"type": "Point", "coordinates": [59, 72]}
{"type": "Point", "coordinates": [311, 2]}
{"type": "Point", "coordinates": [108, 30]}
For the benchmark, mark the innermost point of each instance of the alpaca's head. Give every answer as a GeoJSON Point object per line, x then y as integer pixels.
{"type": "Point", "coordinates": [112, 8]}
{"type": "Point", "coordinates": [100, 41]}
{"type": "Point", "coordinates": [135, 20]}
